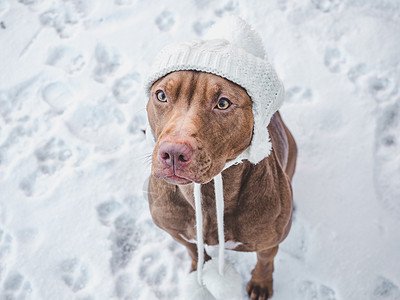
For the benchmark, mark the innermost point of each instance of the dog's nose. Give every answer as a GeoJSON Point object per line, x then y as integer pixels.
{"type": "Point", "coordinates": [175, 155]}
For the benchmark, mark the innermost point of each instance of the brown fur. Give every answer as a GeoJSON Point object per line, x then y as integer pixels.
{"type": "Point", "coordinates": [258, 198]}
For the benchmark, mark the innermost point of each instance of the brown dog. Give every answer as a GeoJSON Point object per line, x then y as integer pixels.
{"type": "Point", "coordinates": [202, 121]}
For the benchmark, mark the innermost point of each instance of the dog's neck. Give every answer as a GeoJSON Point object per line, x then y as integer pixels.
{"type": "Point", "coordinates": [233, 177]}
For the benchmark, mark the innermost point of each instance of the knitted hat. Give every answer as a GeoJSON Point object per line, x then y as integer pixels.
{"type": "Point", "coordinates": [232, 50]}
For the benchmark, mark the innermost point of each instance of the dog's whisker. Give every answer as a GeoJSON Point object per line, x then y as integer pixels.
{"type": "Point", "coordinates": [145, 156]}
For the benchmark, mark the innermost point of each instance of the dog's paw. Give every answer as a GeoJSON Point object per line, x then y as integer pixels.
{"type": "Point", "coordinates": [258, 291]}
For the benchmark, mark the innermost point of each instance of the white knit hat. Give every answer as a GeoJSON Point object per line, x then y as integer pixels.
{"type": "Point", "coordinates": [231, 49]}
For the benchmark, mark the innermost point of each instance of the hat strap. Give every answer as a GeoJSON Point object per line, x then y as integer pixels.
{"type": "Point", "coordinates": [219, 199]}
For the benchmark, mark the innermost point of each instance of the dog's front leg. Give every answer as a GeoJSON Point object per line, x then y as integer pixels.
{"type": "Point", "coordinates": [192, 249]}
{"type": "Point", "coordinates": [260, 285]}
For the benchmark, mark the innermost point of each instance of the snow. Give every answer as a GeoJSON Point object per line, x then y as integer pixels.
{"type": "Point", "coordinates": [74, 221]}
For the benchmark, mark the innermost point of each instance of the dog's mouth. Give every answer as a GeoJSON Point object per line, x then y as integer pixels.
{"type": "Point", "coordinates": [175, 179]}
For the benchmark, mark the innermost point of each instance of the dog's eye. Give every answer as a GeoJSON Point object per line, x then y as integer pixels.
{"type": "Point", "coordinates": [223, 104]}
{"type": "Point", "coordinates": [161, 96]}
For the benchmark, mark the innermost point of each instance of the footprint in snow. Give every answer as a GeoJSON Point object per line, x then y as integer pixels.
{"type": "Point", "coordinates": [125, 88]}
{"type": "Point", "coordinates": [65, 18]}
{"type": "Point", "coordinates": [326, 5]}
{"type": "Point", "coordinates": [152, 270]}
{"type": "Point", "coordinates": [298, 94]}
{"type": "Point", "coordinates": [309, 290]}
{"type": "Point", "coordinates": [378, 84]}
{"type": "Point", "coordinates": [125, 239]}
{"type": "Point", "coordinates": [125, 236]}
{"type": "Point", "coordinates": [51, 158]}
{"type": "Point", "coordinates": [74, 273]}
{"type": "Point", "coordinates": [334, 59]}
{"type": "Point", "coordinates": [16, 287]}
{"type": "Point", "coordinates": [123, 286]}
{"type": "Point", "coordinates": [201, 26]}
{"type": "Point", "coordinates": [384, 89]}
{"type": "Point", "coordinates": [108, 211]}
{"type": "Point", "coordinates": [385, 290]}
{"type": "Point", "coordinates": [165, 20]}
{"type": "Point", "coordinates": [227, 7]}
{"type": "Point", "coordinates": [158, 274]}
{"type": "Point", "coordinates": [108, 61]}
{"type": "Point", "coordinates": [357, 72]}
{"type": "Point", "coordinates": [68, 59]}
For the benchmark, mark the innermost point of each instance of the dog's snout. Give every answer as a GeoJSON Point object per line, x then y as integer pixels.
{"type": "Point", "coordinates": [175, 155]}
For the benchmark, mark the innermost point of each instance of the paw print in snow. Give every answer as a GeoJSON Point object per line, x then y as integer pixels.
{"type": "Point", "coordinates": [310, 291]}
{"type": "Point", "coordinates": [74, 274]}
{"type": "Point", "coordinates": [66, 58]}
{"type": "Point", "coordinates": [357, 71]}
{"type": "Point", "coordinates": [379, 84]}
{"type": "Point", "coordinates": [152, 270]}
{"type": "Point", "coordinates": [383, 89]}
{"type": "Point", "coordinates": [123, 286]}
{"type": "Point", "coordinates": [15, 287]}
{"type": "Point", "coordinates": [125, 88]}
{"type": "Point", "coordinates": [107, 211]}
{"type": "Point", "coordinates": [227, 8]}
{"type": "Point", "coordinates": [334, 59]}
{"type": "Point", "coordinates": [299, 94]}
{"type": "Point", "coordinates": [201, 26]}
{"type": "Point", "coordinates": [159, 275]}
{"type": "Point", "coordinates": [126, 239]}
{"type": "Point", "coordinates": [108, 62]}
{"type": "Point", "coordinates": [326, 5]}
{"type": "Point", "coordinates": [52, 156]}
{"type": "Point", "coordinates": [66, 17]}
{"type": "Point", "coordinates": [125, 236]}
{"type": "Point", "coordinates": [165, 21]}
{"type": "Point", "coordinates": [385, 290]}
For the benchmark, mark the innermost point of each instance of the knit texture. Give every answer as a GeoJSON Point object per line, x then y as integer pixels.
{"type": "Point", "coordinates": [240, 60]}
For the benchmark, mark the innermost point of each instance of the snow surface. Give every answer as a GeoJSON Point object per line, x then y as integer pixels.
{"type": "Point", "coordinates": [74, 223]}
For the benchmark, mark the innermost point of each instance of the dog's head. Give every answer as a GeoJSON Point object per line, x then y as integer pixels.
{"type": "Point", "coordinates": [200, 122]}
